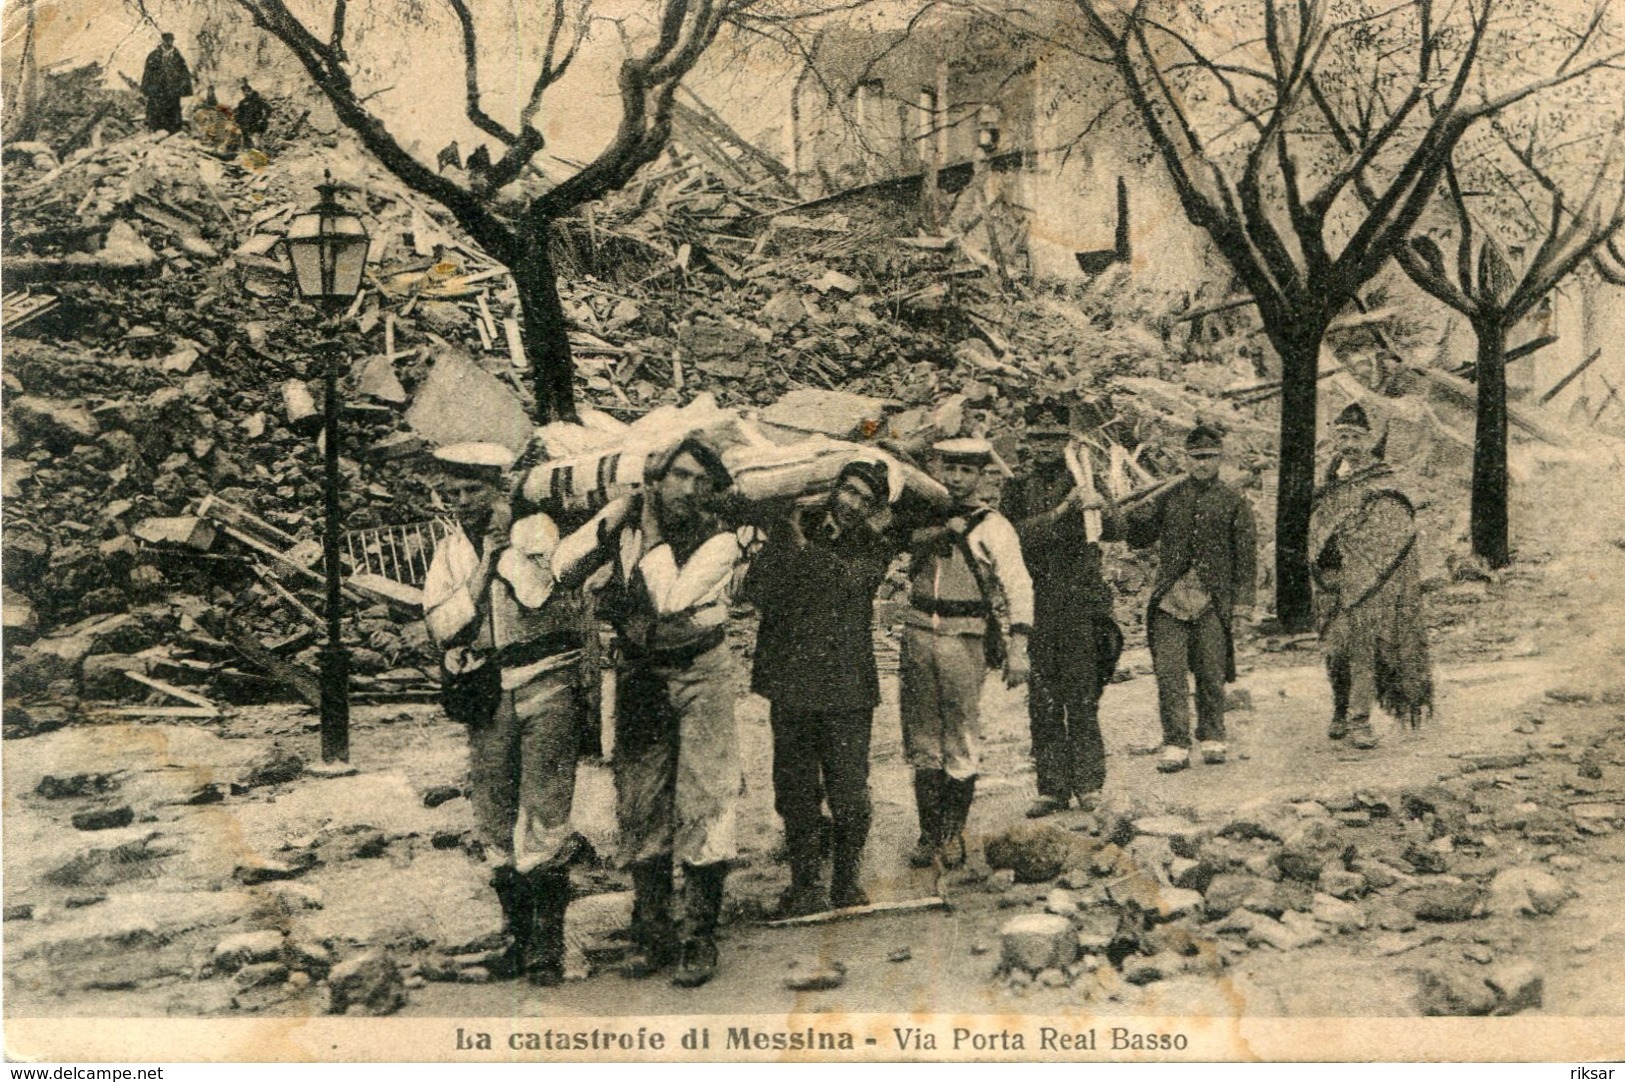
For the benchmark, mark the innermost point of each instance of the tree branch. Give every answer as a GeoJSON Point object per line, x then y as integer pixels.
{"type": "Point", "coordinates": [471, 77]}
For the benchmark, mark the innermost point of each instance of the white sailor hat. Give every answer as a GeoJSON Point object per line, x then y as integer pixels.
{"type": "Point", "coordinates": [486, 461]}
{"type": "Point", "coordinates": [970, 449]}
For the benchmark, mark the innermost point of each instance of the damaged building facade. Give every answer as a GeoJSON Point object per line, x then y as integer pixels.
{"type": "Point", "coordinates": [992, 134]}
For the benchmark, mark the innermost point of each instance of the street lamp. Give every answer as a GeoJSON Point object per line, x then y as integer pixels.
{"type": "Point", "coordinates": [328, 248]}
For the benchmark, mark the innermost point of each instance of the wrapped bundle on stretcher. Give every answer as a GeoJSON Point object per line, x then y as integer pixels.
{"type": "Point", "coordinates": [580, 481]}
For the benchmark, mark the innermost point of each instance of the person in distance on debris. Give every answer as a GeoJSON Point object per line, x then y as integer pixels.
{"type": "Point", "coordinates": [165, 80]}
{"type": "Point", "coordinates": [1075, 642]}
{"type": "Point", "coordinates": [1368, 579]}
{"type": "Point", "coordinates": [512, 643]}
{"type": "Point", "coordinates": [814, 584]}
{"type": "Point", "coordinates": [951, 636]}
{"type": "Point", "coordinates": [675, 569]}
{"type": "Point", "coordinates": [1204, 594]}
{"type": "Point", "coordinates": [253, 115]}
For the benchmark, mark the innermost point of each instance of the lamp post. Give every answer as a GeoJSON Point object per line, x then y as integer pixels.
{"type": "Point", "coordinates": [328, 249]}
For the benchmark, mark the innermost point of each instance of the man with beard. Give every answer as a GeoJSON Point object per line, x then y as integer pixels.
{"type": "Point", "coordinates": [951, 637]}
{"type": "Point", "coordinates": [814, 584]}
{"type": "Point", "coordinates": [165, 80]}
{"type": "Point", "coordinates": [1206, 585]}
{"type": "Point", "coordinates": [512, 646]}
{"type": "Point", "coordinates": [1075, 641]}
{"type": "Point", "coordinates": [677, 770]}
{"type": "Point", "coordinates": [1368, 573]}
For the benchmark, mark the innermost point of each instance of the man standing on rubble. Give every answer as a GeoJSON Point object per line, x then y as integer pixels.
{"type": "Point", "coordinates": [951, 637]}
{"type": "Point", "coordinates": [1204, 594]}
{"type": "Point", "coordinates": [814, 584]}
{"type": "Point", "coordinates": [1075, 641]}
{"type": "Point", "coordinates": [675, 570]}
{"type": "Point", "coordinates": [164, 82]}
{"type": "Point", "coordinates": [512, 643]}
{"type": "Point", "coordinates": [253, 115]}
{"type": "Point", "coordinates": [1368, 574]}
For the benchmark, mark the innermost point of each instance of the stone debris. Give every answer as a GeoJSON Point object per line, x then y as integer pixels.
{"type": "Point", "coordinates": [814, 974]}
{"type": "Point", "coordinates": [1513, 986]}
{"type": "Point", "coordinates": [110, 818]}
{"type": "Point", "coordinates": [1037, 941]}
{"type": "Point", "coordinates": [1526, 891]}
{"type": "Point", "coordinates": [368, 984]}
{"type": "Point", "coordinates": [246, 948]}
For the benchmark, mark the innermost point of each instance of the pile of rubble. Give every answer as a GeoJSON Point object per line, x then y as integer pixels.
{"type": "Point", "coordinates": [162, 385]}
{"type": "Point", "coordinates": [1127, 897]}
{"type": "Point", "coordinates": [161, 381]}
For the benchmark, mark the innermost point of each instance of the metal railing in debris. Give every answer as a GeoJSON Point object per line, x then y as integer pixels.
{"type": "Point", "coordinates": [401, 553]}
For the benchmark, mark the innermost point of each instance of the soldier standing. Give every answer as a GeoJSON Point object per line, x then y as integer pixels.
{"type": "Point", "coordinates": [1075, 641]}
{"type": "Point", "coordinates": [1368, 574]}
{"type": "Point", "coordinates": [512, 646]}
{"type": "Point", "coordinates": [950, 639]}
{"type": "Point", "coordinates": [1204, 593]}
{"type": "Point", "coordinates": [677, 769]}
{"type": "Point", "coordinates": [814, 584]}
{"type": "Point", "coordinates": [165, 80]}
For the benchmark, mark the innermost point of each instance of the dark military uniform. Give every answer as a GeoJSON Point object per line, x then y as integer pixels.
{"type": "Point", "coordinates": [815, 664]}
{"type": "Point", "coordinates": [1075, 642]}
{"type": "Point", "coordinates": [1206, 567]}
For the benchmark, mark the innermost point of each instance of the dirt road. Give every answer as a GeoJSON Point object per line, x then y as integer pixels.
{"type": "Point", "coordinates": [1529, 670]}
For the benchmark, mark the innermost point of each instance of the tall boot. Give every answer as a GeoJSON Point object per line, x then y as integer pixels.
{"type": "Point", "coordinates": [806, 859]}
{"type": "Point", "coordinates": [544, 952]}
{"type": "Point", "coordinates": [957, 798]}
{"type": "Point", "coordinates": [846, 866]}
{"type": "Point", "coordinates": [651, 918]}
{"type": "Point", "coordinates": [518, 919]}
{"type": "Point", "coordinates": [1339, 676]}
{"type": "Point", "coordinates": [928, 803]}
{"type": "Point", "coordinates": [702, 906]}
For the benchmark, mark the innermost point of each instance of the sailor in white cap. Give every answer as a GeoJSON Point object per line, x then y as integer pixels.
{"type": "Point", "coordinates": [951, 636]}
{"type": "Point", "coordinates": [512, 645]}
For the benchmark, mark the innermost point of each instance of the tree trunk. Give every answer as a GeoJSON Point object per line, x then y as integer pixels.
{"type": "Point", "coordinates": [1489, 514]}
{"type": "Point", "coordinates": [543, 327]}
{"type": "Point", "coordinates": [1295, 489]}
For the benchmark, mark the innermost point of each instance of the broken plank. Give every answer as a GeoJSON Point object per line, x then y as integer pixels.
{"type": "Point", "coordinates": [485, 318]}
{"type": "Point", "coordinates": [1557, 388]}
{"type": "Point", "coordinates": [1467, 393]}
{"type": "Point", "coordinates": [170, 689]}
{"type": "Point", "coordinates": [266, 550]}
{"type": "Point", "coordinates": [297, 679]}
{"type": "Point", "coordinates": [229, 514]}
{"type": "Point", "coordinates": [309, 614]}
{"type": "Point", "coordinates": [163, 712]}
{"type": "Point", "coordinates": [516, 348]}
{"type": "Point", "coordinates": [847, 913]}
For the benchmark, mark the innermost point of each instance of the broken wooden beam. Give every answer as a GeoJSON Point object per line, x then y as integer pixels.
{"type": "Point", "coordinates": [1574, 374]}
{"type": "Point", "coordinates": [1467, 394]}
{"type": "Point", "coordinates": [182, 694]}
{"type": "Point", "coordinates": [188, 530]}
{"type": "Point", "coordinates": [302, 682]}
{"type": "Point", "coordinates": [1516, 354]}
{"type": "Point", "coordinates": [847, 913]}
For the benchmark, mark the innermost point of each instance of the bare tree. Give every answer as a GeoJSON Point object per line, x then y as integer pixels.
{"type": "Point", "coordinates": [1240, 119]}
{"type": "Point", "coordinates": [1562, 217]}
{"type": "Point", "coordinates": [515, 230]}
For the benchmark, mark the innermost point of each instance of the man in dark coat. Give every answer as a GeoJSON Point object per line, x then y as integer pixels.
{"type": "Point", "coordinates": [253, 115]}
{"type": "Point", "coordinates": [1075, 643]}
{"type": "Point", "coordinates": [814, 584]}
{"type": "Point", "coordinates": [1369, 594]}
{"type": "Point", "coordinates": [1204, 593]}
{"type": "Point", "coordinates": [164, 82]}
